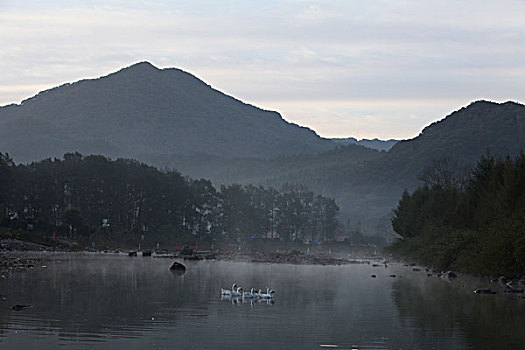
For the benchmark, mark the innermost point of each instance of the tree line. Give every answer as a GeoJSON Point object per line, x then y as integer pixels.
{"type": "Point", "coordinates": [94, 198]}
{"type": "Point", "coordinates": [472, 221]}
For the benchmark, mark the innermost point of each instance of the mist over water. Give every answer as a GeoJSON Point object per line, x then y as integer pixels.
{"type": "Point", "coordinates": [117, 302]}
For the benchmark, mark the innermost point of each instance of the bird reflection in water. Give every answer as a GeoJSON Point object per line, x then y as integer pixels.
{"type": "Point", "coordinates": [241, 300]}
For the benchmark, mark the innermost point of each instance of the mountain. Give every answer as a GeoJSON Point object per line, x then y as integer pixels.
{"type": "Point", "coordinates": [142, 110]}
{"type": "Point", "coordinates": [380, 145]}
{"type": "Point", "coordinates": [271, 172]}
{"type": "Point", "coordinates": [169, 118]}
{"type": "Point", "coordinates": [366, 183]}
{"type": "Point", "coordinates": [465, 135]}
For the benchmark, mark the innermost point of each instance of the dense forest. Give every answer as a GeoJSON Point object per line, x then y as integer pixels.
{"type": "Point", "coordinates": [468, 221]}
{"type": "Point", "coordinates": [95, 199]}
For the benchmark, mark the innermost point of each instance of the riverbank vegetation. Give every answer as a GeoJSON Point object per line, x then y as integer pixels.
{"type": "Point", "coordinates": [108, 202]}
{"type": "Point", "coordinates": [473, 223]}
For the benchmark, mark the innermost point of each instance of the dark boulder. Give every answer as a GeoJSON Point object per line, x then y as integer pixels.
{"type": "Point", "coordinates": [178, 267]}
{"type": "Point", "coordinates": [18, 307]}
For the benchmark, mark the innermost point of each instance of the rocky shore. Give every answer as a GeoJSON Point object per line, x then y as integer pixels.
{"type": "Point", "coordinates": [16, 256]}
{"type": "Point", "coordinates": [15, 262]}
{"type": "Point", "coordinates": [292, 257]}
{"type": "Point", "coordinates": [20, 246]}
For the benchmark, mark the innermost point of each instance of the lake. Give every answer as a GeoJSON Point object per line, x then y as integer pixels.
{"type": "Point", "coordinates": [97, 301]}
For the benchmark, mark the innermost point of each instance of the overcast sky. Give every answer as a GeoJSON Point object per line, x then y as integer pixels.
{"type": "Point", "coordinates": [343, 68]}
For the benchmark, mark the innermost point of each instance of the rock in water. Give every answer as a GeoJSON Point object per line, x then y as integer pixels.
{"type": "Point", "coordinates": [178, 267]}
{"type": "Point", "coordinates": [18, 307]}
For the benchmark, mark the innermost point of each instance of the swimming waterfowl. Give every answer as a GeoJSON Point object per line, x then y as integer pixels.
{"type": "Point", "coordinates": [268, 295]}
{"type": "Point", "coordinates": [229, 292]}
{"type": "Point", "coordinates": [237, 292]}
{"type": "Point", "coordinates": [250, 295]}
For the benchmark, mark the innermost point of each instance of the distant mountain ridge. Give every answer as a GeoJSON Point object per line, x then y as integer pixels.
{"type": "Point", "coordinates": [143, 110]}
{"type": "Point", "coordinates": [380, 145]}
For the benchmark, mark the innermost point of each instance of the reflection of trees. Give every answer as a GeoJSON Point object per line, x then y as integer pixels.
{"type": "Point", "coordinates": [103, 296]}
{"type": "Point", "coordinates": [4, 321]}
{"type": "Point", "coordinates": [117, 297]}
{"type": "Point", "coordinates": [490, 322]}
{"type": "Point", "coordinates": [84, 296]}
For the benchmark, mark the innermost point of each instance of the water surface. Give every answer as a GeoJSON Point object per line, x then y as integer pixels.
{"type": "Point", "coordinates": [116, 302]}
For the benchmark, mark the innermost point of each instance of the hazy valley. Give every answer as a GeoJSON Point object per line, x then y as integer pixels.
{"type": "Point", "coordinates": [262, 175]}
{"type": "Point", "coordinates": [171, 119]}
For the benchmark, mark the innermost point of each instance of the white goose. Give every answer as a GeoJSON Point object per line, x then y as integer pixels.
{"type": "Point", "coordinates": [229, 292]}
{"type": "Point", "coordinates": [268, 295]}
{"type": "Point", "coordinates": [237, 292]}
{"type": "Point", "coordinates": [250, 295]}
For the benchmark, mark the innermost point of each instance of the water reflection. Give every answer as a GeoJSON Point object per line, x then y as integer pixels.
{"type": "Point", "coordinates": [107, 296]}
{"type": "Point", "coordinates": [134, 303]}
{"type": "Point", "coordinates": [251, 302]}
{"type": "Point", "coordinates": [177, 273]}
{"type": "Point", "coordinates": [484, 322]}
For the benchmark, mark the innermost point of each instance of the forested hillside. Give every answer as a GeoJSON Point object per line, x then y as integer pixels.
{"type": "Point", "coordinates": [142, 110]}
{"type": "Point", "coordinates": [274, 171]}
{"type": "Point", "coordinates": [465, 135]}
{"type": "Point", "coordinates": [475, 225]}
{"type": "Point", "coordinates": [72, 197]}
{"type": "Point", "coordinates": [367, 184]}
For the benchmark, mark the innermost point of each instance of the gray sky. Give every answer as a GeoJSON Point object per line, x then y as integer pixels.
{"type": "Point", "coordinates": [343, 68]}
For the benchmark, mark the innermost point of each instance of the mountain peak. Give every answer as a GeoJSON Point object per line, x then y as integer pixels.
{"type": "Point", "coordinates": [470, 131]}
{"type": "Point", "coordinates": [141, 111]}
{"type": "Point", "coordinates": [486, 103]}
{"type": "Point", "coordinates": [142, 68]}
{"type": "Point", "coordinates": [475, 112]}
{"type": "Point", "coordinates": [143, 65]}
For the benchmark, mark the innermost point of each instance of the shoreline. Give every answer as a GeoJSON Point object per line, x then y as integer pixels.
{"type": "Point", "coordinates": [296, 257]}
{"type": "Point", "coordinates": [15, 262]}
{"type": "Point", "coordinates": [19, 256]}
